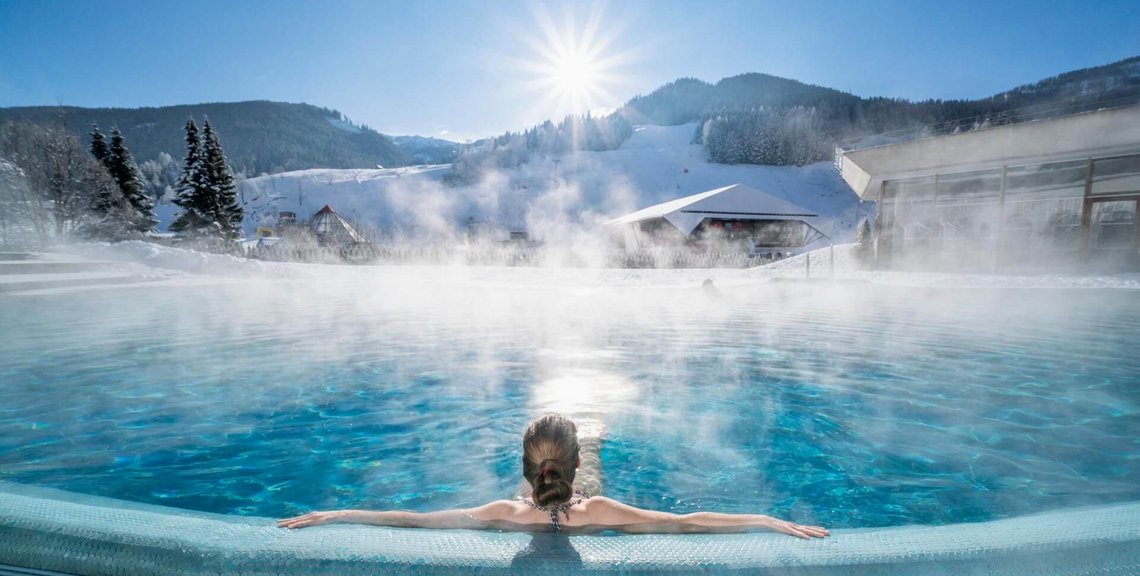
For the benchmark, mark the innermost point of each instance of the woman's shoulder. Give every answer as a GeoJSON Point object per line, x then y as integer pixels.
{"type": "Point", "coordinates": [598, 504]}
{"type": "Point", "coordinates": [500, 510]}
{"type": "Point", "coordinates": [607, 511]}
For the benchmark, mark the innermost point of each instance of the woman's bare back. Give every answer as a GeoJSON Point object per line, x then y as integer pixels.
{"type": "Point", "coordinates": [586, 511]}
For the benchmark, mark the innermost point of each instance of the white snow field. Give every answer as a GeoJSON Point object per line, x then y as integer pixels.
{"type": "Point", "coordinates": [162, 265]}
{"type": "Point", "coordinates": [554, 199]}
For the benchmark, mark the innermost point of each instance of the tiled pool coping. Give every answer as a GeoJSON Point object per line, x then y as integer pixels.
{"type": "Point", "coordinates": [62, 532]}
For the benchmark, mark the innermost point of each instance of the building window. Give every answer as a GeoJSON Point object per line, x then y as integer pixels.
{"type": "Point", "coordinates": [1116, 176]}
{"type": "Point", "coordinates": [1064, 232]}
{"type": "Point", "coordinates": [912, 204]}
{"type": "Point", "coordinates": [1048, 197]}
{"type": "Point", "coordinates": [968, 211]}
{"type": "Point", "coordinates": [1114, 225]}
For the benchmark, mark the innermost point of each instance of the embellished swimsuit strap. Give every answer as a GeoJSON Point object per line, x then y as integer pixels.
{"type": "Point", "coordinates": [555, 509]}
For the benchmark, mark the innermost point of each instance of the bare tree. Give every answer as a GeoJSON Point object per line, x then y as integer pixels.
{"type": "Point", "coordinates": [60, 185]}
{"type": "Point", "coordinates": [18, 208]}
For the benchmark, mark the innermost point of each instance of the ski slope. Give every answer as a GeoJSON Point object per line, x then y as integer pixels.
{"type": "Point", "coordinates": [552, 198]}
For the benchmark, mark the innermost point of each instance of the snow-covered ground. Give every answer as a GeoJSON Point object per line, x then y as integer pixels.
{"type": "Point", "coordinates": [181, 266]}
{"type": "Point", "coordinates": [561, 201]}
{"type": "Point", "coordinates": [555, 199]}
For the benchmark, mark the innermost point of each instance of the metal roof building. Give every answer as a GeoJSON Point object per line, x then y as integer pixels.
{"type": "Point", "coordinates": [731, 212]}
{"type": "Point", "coordinates": [1045, 194]}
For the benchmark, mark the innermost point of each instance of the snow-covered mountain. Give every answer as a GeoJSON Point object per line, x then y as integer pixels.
{"type": "Point", "coordinates": [553, 198]}
{"type": "Point", "coordinates": [426, 150]}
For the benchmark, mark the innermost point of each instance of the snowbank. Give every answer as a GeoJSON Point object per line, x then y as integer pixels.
{"type": "Point", "coordinates": [155, 261]}
{"type": "Point", "coordinates": [847, 267]}
{"type": "Point", "coordinates": [136, 256]}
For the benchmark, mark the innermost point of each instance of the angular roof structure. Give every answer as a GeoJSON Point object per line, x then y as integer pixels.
{"type": "Point", "coordinates": [330, 228]}
{"type": "Point", "coordinates": [1101, 133]}
{"type": "Point", "coordinates": [735, 202]}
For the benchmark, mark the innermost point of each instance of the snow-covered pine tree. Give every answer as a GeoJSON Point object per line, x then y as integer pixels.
{"type": "Point", "coordinates": [220, 181]}
{"type": "Point", "coordinates": [107, 218]}
{"type": "Point", "coordinates": [130, 182]}
{"type": "Point", "coordinates": [99, 147]}
{"type": "Point", "coordinates": [191, 193]}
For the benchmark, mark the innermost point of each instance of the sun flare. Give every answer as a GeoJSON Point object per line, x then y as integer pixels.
{"type": "Point", "coordinates": [575, 74]}
{"type": "Point", "coordinates": [573, 65]}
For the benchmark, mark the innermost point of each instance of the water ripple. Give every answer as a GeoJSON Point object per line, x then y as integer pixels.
{"type": "Point", "coordinates": [885, 406]}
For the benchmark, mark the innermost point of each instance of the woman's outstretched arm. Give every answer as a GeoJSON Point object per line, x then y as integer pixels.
{"type": "Point", "coordinates": [609, 512]}
{"type": "Point", "coordinates": [465, 518]}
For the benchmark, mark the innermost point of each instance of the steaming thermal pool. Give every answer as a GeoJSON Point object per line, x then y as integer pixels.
{"type": "Point", "coordinates": [853, 405]}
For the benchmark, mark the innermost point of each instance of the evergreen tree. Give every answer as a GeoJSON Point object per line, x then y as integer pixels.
{"type": "Point", "coordinates": [99, 147]}
{"type": "Point", "coordinates": [109, 216]}
{"type": "Point", "coordinates": [191, 194]}
{"type": "Point", "coordinates": [126, 174]}
{"type": "Point", "coordinates": [227, 212]}
{"type": "Point", "coordinates": [106, 203]}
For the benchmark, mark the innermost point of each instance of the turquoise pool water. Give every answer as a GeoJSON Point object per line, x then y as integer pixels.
{"type": "Point", "coordinates": [851, 406]}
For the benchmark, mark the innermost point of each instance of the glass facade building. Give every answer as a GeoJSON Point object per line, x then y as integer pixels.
{"type": "Point", "coordinates": [1074, 210]}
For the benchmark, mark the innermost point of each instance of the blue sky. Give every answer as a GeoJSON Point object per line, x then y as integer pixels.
{"type": "Point", "coordinates": [466, 69]}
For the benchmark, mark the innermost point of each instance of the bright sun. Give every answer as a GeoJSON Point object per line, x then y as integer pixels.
{"type": "Point", "coordinates": [575, 74]}
{"type": "Point", "coordinates": [573, 67]}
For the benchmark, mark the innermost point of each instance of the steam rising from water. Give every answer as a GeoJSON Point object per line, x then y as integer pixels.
{"type": "Point", "coordinates": [564, 213]}
{"type": "Point", "coordinates": [850, 405]}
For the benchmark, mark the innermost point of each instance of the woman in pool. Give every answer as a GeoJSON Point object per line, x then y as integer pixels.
{"type": "Point", "coordinates": [551, 458]}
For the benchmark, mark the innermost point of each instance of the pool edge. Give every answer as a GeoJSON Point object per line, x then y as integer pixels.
{"type": "Point", "coordinates": [71, 533]}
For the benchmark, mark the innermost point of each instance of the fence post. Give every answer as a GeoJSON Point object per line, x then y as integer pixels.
{"type": "Point", "coordinates": [831, 250]}
{"type": "Point", "coordinates": [807, 270]}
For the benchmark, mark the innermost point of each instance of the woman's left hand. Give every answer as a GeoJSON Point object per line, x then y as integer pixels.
{"type": "Point", "coordinates": [797, 530]}
{"type": "Point", "coordinates": [312, 519]}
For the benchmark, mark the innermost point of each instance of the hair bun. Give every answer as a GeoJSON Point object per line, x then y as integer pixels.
{"type": "Point", "coordinates": [554, 491]}
{"type": "Point", "coordinates": [549, 471]}
{"type": "Point", "coordinates": [550, 458]}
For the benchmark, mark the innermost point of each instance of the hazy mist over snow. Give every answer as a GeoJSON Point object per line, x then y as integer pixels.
{"type": "Point", "coordinates": [556, 199]}
{"type": "Point", "coordinates": [152, 263]}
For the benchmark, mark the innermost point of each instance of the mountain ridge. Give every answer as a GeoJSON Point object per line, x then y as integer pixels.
{"type": "Point", "coordinates": [800, 123]}
{"type": "Point", "coordinates": [757, 118]}
{"type": "Point", "coordinates": [260, 136]}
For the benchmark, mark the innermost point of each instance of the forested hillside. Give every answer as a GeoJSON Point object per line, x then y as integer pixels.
{"type": "Point", "coordinates": [572, 134]}
{"type": "Point", "coordinates": [259, 136]}
{"type": "Point", "coordinates": [763, 119]}
{"type": "Point", "coordinates": [425, 150]}
{"type": "Point", "coordinates": [745, 119]}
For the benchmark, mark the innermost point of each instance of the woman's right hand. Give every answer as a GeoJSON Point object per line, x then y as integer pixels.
{"type": "Point", "coordinates": [313, 519]}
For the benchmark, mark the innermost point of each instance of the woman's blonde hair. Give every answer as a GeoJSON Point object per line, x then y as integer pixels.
{"type": "Point", "coordinates": [550, 458]}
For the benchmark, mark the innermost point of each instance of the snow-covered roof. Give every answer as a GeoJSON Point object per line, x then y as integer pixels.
{"type": "Point", "coordinates": [735, 202]}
